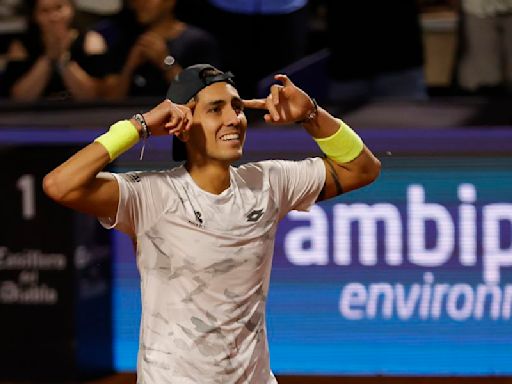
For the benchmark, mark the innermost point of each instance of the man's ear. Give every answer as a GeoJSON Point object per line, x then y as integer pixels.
{"type": "Point", "coordinates": [192, 105]}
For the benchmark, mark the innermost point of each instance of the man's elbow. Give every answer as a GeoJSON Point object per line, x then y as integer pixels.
{"type": "Point", "coordinates": [376, 167]}
{"type": "Point", "coordinates": [52, 187]}
{"type": "Point", "coordinates": [371, 171]}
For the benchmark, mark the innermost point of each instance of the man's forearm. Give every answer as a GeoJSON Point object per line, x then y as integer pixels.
{"type": "Point", "coordinates": [323, 125]}
{"type": "Point", "coordinates": [335, 138]}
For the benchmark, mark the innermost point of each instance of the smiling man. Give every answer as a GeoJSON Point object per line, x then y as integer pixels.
{"type": "Point", "coordinates": [205, 230]}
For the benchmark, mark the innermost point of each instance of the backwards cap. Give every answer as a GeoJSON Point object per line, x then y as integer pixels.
{"type": "Point", "coordinates": [185, 86]}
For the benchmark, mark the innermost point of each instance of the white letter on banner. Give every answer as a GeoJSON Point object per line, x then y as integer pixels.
{"type": "Point", "coordinates": [316, 234]}
{"type": "Point", "coordinates": [494, 292]}
{"type": "Point", "coordinates": [460, 294]}
{"type": "Point", "coordinates": [495, 257]}
{"type": "Point", "coordinates": [419, 213]}
{"type": "Point", "coordinates": [507, 302]}
{"type": "Point", "coordinates": [467, 224]}
{"type": "Point", "coordinates": [440, 290]}
{"type": "Point", "coordinates": [406, 302]}
{"type": "Point", "coordinates": [353, 294]}
{"type": "Point", "coordinates": [367, 217]}
{"type": "Point", "coordinates": [376, 290]}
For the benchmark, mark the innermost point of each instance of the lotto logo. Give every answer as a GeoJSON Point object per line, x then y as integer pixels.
{"type": "Point", "coordinates": [255, 215]}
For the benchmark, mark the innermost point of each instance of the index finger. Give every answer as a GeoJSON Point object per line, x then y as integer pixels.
{"type": "Point", "coordinates": [255, 104]}
{"type": "Point", "coordinates": [189, 118]}
{"type": "Point", "coordinates": [283, 79]}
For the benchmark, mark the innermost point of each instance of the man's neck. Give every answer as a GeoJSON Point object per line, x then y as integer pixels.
{"type": "Point", "coordinates": [213, 178]}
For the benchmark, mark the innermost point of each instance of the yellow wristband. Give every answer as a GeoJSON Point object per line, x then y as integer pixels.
{"type": "Point", "coordinates": [120, 137]}
{"type": "Point", "coordinates": [343, 146]}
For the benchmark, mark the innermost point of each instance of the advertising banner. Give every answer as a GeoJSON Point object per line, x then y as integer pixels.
{"type": "Point", "coordinates": [408, 276]}
{"type": "Point", "coordinates": [55, 276]}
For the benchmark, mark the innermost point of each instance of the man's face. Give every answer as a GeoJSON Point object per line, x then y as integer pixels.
{"type": "Point", "coordinates": [219, 125]}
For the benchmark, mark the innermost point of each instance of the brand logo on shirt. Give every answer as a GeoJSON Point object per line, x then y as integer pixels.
{"type": "Point", "coordinates": [255, 215]}
{"type": "Point", "coordinates": [198, 216]}
{"type": "Point", "coordinates": [199, 220]}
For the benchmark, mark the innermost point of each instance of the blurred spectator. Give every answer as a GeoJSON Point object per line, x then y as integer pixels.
{"type": "Point", "coordinates": [8, 8]}
{"type": "Point", "coordinates": [53, 59]}
{"type": "Point", "coordinates": [90, 12]}
{"type": "Point", "coordinates": [99, 7]}
{"type": "Point", "coordinates": [12, 23]}
{"type": "Point", "coordinates": [376, 50]}
{"type": "Point", "coordinates": [485, 63]}
{"type": "Point", "coordinates": [148, 46]}
{"type": "Point", "coordinates": [258, 37]}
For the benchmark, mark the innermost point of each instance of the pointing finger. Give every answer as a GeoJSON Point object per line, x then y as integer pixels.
{"type": "Point", "coordinates": [283, 79]}
{"type": "Point", "coordinates": [255, 104]}
{"type": "Point", "coordinates": [176, 118]}
{"type": "Point", "coordinates": [272, 109]}
{"type": "Point", "coordinates": [173, 131]}
{"type": "Point", "coordinates": [275, 90]}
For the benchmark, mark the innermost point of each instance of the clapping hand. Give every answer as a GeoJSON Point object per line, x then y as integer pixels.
{"type": "Point", "coordinates": [153, 48]}
{"type": "Point", "coordinates": [57, 41]}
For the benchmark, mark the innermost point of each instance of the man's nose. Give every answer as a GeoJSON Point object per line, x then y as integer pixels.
{"type": "Point", "coordinates": [232, 117]}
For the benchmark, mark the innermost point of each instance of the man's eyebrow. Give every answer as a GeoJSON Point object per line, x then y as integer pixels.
{"type": "Point", "coordinates": [214, 103]}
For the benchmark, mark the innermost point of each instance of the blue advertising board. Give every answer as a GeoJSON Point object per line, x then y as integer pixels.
{"type": "Point", "coordinates": [411, 275]}
{"type": "Point", "coordinates": [408, 276]}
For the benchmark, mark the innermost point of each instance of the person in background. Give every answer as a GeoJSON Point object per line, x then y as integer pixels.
{"type": "Point", "coordinates": [91, 12]}
{"type": "Point", "coordinates": [376, 50]}
{"type": "Point", "coordinates": [485, 54]}
{"type": "Point", "coordinates": [271, 34]}
{"type": "Point", "coordinates": [53, 60]}
{"type": "Point", "coordinates": [148, 46]}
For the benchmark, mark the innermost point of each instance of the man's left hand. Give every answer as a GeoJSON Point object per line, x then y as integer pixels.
{"type": "Point", "coordinates": [286, 103]}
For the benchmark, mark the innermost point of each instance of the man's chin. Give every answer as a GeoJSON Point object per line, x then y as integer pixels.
{"type": "Point", "coordinates": [230, 158]}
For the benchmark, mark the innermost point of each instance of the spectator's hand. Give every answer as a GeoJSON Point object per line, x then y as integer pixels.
{"type": "Point", "coordinates": [135, 58]}
{"type": "Point", "coordinates": [285, 103]}
{"type": "Point", "coordinates": [153, 48]}
{"type": "Point", "coordinates": [57, 41]}
{"type": "Point", "coordinates": [168, 118]}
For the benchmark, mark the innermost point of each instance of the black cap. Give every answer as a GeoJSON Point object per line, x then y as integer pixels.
{"type": "Point", "coordinates": [185, 86]}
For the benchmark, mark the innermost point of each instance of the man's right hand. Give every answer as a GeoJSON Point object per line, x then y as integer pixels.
{"type": "Point", "coordinates": [168, 118]}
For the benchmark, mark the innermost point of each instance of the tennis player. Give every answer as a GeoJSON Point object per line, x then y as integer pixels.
{"type": "Point", "coordinates": [204, 231]}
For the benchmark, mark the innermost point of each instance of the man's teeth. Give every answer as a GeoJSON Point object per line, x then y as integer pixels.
{"type": "Point", "coordinates": [232, 136]}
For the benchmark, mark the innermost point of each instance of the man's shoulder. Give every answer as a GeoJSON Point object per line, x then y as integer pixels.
{"type": "Point", "coordinates": [152, 175]}
{"type": "Point", "coordinates": [268, 171]}
{"type": "Point", "coordinates": [257, 167]}
{"type": "Point", "coordinates": [274, 165]}
{"type": "Point", "coordinates": [262, 164]}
